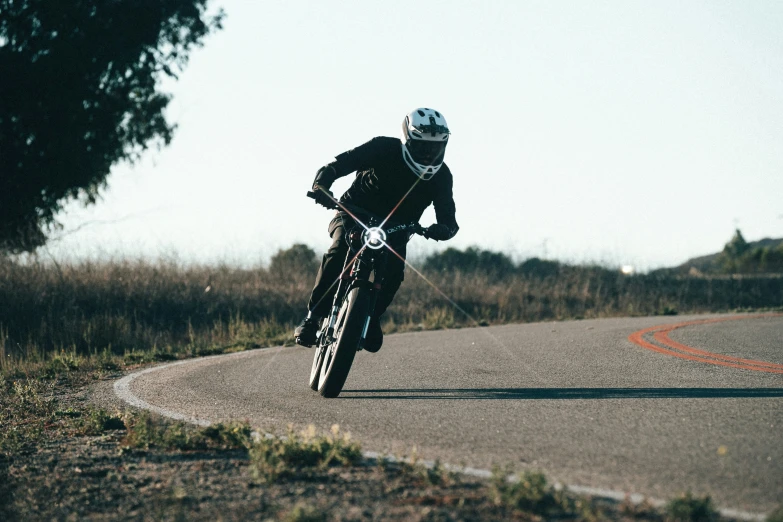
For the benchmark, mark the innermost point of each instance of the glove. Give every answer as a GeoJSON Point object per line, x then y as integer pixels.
{"type": "Point", "coordinates": [438, 232]}
{"type": "Point", "coordinates": [321, 197]}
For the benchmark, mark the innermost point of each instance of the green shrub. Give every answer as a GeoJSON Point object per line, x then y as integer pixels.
{"type": "Point", "coordinates": [305, 513]}
{"type": "Point", "coordinates": [276, 458]}
{"type": "Point", "coordinates": [97, 421]}
{"type": "Point", "coordinates": [689, 508]}
{"type": "Point", "coordinates": [145, 431]}
{"type": "Point", "coordinates": [776, 515]}
{"type": "Point", "coordinates": [436, 475]}
{"type": "Point", "coordinates": [530, 492]}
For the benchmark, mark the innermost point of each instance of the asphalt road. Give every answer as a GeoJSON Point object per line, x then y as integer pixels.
{"type": "Point", "coordinates": [577, 400]}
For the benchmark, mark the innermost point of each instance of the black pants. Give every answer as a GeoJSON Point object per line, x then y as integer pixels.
{"type": "Point", "coordinates": [332, 266]}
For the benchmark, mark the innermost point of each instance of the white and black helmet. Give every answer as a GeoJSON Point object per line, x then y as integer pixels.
{"type": "Point", "coordinates": [424, 138]}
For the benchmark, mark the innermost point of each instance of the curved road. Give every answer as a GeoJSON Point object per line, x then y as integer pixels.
{"type": "Point", "coordinates": [611, 403]}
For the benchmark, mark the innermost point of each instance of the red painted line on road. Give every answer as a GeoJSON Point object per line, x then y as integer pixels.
{"type": "Point", "coordinates": [675, 349]}
{"type": "Point", "coordinates": [662, 336]}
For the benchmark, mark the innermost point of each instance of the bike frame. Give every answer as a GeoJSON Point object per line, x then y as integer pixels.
{"type": "Point", "coordinates": [344, 330]}
{"type": "Point", "coordinates": [368, 261]}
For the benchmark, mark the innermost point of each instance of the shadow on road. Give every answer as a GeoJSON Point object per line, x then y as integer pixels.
{"type": "Point", "coordinates": [564, 393]}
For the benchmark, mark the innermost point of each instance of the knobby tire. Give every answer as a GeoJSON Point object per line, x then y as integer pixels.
{"type": "Point", "coordinates": [315, 370]}
{"type": "Point", "coordinates": [334, 370]}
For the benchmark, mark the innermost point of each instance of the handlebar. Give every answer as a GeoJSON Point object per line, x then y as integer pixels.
{"type": "Point", "coordinates": [414, 228]}
{"type": "Point", "coordinates": [311, 195]}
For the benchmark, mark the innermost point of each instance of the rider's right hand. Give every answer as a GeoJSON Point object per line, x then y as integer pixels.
{"type": "Point", "coordinates": [323, 196]}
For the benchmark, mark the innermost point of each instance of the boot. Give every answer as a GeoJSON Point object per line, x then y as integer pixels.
{"type": "Point", "coordinates": [374, 338]}
{"type": "Point", "coordinates": [307, 331]}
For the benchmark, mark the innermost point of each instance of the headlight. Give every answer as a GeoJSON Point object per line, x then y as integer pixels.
{"type": "Point", "coordinates": [374, 238]}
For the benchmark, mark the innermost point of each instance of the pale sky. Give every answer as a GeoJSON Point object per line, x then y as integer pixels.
{"type": "Point", "coordinates": [626, 132]}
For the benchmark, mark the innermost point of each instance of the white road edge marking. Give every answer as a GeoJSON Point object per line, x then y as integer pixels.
{"type": "Point", "coordinates": [123, 391]}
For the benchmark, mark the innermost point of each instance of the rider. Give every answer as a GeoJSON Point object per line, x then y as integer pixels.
{"type": "Point", "coordinates": [394, 177]}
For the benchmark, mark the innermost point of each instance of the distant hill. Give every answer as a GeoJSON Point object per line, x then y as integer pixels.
{"type": "Point", "coordinates": [709, 263]}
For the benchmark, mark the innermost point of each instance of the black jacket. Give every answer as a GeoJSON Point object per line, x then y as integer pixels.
{"type": "Point", "coordinates": [383, 180]}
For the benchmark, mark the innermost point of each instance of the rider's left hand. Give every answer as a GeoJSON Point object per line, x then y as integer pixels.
{"type": "Point", "coordinates": [438, 232]}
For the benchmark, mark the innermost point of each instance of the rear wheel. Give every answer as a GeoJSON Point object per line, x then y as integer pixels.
{"type": "Point", "coordinates": [338, 356]}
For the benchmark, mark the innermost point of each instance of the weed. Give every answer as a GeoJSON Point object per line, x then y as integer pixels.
{"type": "Point", "coordinates": [439, 318]}
{"type": "Point", "coordinates": [276, 458]}
{"type": "Point", "coordinates": [232, 435]}
{"type": "Point", "coordinates": [146, 431]}
{"type": "Point", "coordinates": [97, 421]}
{"type": "Point", "coordinates": [689, 508]}
{"type": "Point", "coordinates": [642, 510]}
{"type": "Point", "coordinates": [26, 407]}
{"type": "Point", "coordinates": [148, 356]}
{"type": "Point", "coordinates": [530, 492]}
{"type": "Point", "coordinates": [427, 476]}
{"type": "Point", "coordinates": [69, 413]}
{"type": "Point", "coordinates": [31, 395]}
{"type": "Point", "coordinates": [305, 513]}
{"type": "Point", "coordinates": [62, 362]}
{"type": "Point", "coordinates": [776, 515]}
{"type": "Point", "coordinates": [437, 475]}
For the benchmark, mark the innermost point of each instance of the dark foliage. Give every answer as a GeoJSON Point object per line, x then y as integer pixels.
{"type": "Point", "coordinates": [299, 258]}
{"type": "Point", "coordinates": [472, 259]}
{"type": "Point", "coordinates": [79, 93]}
{"type": "Point", "coordinates": [536, 267]}
{"type": "Point", "coordinates": [739, 256]}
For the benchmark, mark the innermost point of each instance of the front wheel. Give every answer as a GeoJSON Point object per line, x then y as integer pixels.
{"type": "Point", "coordinates": [338, 356]}
{"type": "Point", "coordinates": [318, 358]}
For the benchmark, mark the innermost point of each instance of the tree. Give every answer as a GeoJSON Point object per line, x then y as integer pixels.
{"type": "Point", "coordinates": [772, 259]}
{"type": "Point", "coordinates": [535, 267]}
{"type": "Point", "coordinates": [80, 93]}
{"type": "Point", "coordinates": [472, 259]}
{"type": "Point", "coordinates": [297, 259]}
{"type": "Point", "coordinates": [730, 258]}
{"type": "Point", "coordinates": [737, 246]}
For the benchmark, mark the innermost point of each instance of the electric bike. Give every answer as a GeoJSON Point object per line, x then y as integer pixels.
{"type": "Point", "coordinates": [343, 331]}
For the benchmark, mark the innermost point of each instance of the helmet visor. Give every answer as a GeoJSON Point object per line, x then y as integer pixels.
{"type": "Point", "coordinates": [426, 152]}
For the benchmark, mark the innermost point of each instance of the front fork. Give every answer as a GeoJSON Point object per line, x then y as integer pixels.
{"type": "Point", "coordinates": [359, 272]}
{"type": "Point", "coordinates": [379, 270]}
{"type": "Point", "coordinates": [343, 285]}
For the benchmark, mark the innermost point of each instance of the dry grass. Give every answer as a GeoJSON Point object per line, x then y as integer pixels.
{"type": "Point", "coordinates": [144, 311]}
{"type": "Point", "coordinates": [63, 459]}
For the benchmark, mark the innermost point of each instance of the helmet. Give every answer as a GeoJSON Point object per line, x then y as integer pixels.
{"type": "Point", "coordinates": [424, 138]}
